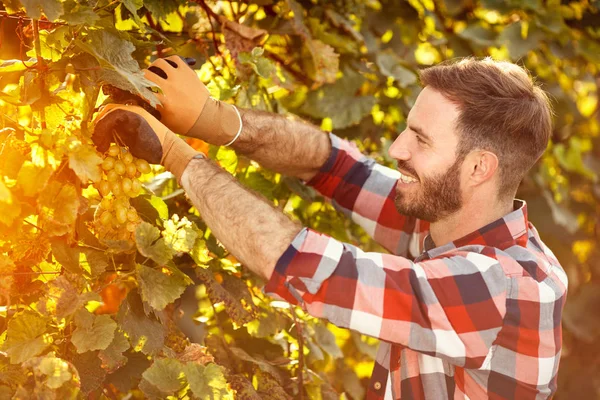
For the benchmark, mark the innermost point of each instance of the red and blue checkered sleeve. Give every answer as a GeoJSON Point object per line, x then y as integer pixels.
{"type": "Point", "coordinates": [364, 191]}
{"type": "Point", "coordinates": [451, 307]}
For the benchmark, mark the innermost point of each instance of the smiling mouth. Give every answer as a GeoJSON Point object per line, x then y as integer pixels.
{"type": "Point", "coordinates": [407, 179]}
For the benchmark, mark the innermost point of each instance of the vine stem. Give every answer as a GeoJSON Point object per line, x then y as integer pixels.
{"type": "Point", "coordinates": [300, 334]}
{"type": "Point", "coordinates": [40, 67]}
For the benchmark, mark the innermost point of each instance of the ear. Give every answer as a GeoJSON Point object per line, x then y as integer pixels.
{"type": "Point", "coordinates": [482, 165]}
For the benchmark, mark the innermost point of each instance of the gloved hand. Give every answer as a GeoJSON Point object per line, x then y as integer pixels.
{"type": "Point", "coordinates": [145, 136]}
{"type": "Point", "coordinates": [186, 106]}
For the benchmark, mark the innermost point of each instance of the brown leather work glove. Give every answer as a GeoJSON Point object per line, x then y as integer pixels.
{"type": "Point", "coordinates": [186, 106]}
{"type": "Point", "coordinates": [145, 136]}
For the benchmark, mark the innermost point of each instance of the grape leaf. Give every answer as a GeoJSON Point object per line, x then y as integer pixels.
{"type": "Point", "coordinates": [339, 102]}
{"type": "Point", "coordinates": [85, 161]}
{"type": "Point", "coordinates": [112, 357]}
{"type": "Point", "coordinates": [25, 336]}
{"type": "Point", "coordinates": [128, 376]}
{"type": "Point", "coordinates": [56, 371]}
{"type": "Point", "coordinates": [120, 68]}
{"type": "Point", "coordinates": [326, 340]}
{"type": "Point", "coordinates": [200, 253]}
{"type": "Point", "coordinates": [7, 266]}
{"type": "Point", "coordinates": [179, 234]}
{"type": "Point", "coordinates": [32, 179]}
{"type": "Point", "coordinates": [206, 382]}
{"type": "Point", "coordinates": [79, 14]}
{"type": "Point", "coordinates": [152, 209]}
{"type": "Point", "coordinates": [150, 244]}
{"type": "Point", "coordinates": [90, 371]}
{"type": "Point", "coordinates": [143, 331]}
{"type": "Point", "coordinates": [166, 374]}
{"type": "Point", "coordinates": [161, 288]}
{"type": "Point", "coordinates": [51, 8]}
{"type": "Point", "coordinates": [68, 301]}
{"type": "Point", "coordinates": [133, 5]}
{"type": "Point", "coordinates": [262, 364]}
{"type": "Point", "coordinates": [321, 62]}
{"type": "Point", "coordinates": [5, 194]}
{"type": "Point", "coordinates": [196, 353]}
{"type": "Point", "coordinates": [93, 332]}
{"type": "Point", "coordinates": [58, 205]}
{"type": "Point", "coordinates": [390, 65]}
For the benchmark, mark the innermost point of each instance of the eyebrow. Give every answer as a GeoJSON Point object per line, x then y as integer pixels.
{"type": "Point", "coordinates": [420, 132]}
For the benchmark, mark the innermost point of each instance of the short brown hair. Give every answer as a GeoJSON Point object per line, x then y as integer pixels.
{"type": "Point", "coordinates": [502, 110]}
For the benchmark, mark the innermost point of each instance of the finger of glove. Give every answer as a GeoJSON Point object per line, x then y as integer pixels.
{"type": "Point", "coordinates": [133, 130]}
{"type": "Point", "coordinates": [163, 65]}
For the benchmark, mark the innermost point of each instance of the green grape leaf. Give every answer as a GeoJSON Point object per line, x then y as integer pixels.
{"type": "Point", "coordinates": [133, 5]}
{"type": "Point", "coordinates": [120, 68]}
{"type": "Point", "coordinates": [66, 255]}
{"type": "Point", "coordinates": [145, 333]}
{"type": "Point", "coordinates": [479, 35]}
{"type": "Point", "coordinates": [517, 45]}
{"type": "Point", "coordinates": [166, 374]}
{"type": "Point", "coordinates": [32, 178]}
{"type": "Point", "coordinates": [90, 371]}
{"type": "Point", "coordinates": [179, 234]}
{"type": "Point", "coordinates": [161, 288]}
{"type": "Point", "coordinates": [93, 332]}
{"type": "Point", "coordinates": [56, 370]}
{"type": "Point", "coordinates": [25, 336]}
{"type": "Point", "coordinates": [391, 65]}
{"type": "Point", "coordinates": [152, 209]}
{"type": "Point", "coordinates": [112, 357]}
{"type": "Point", "coordinates": [79, 14]}
{"type": "Point", "coordinates": [53, 9]}
{"type": "Point", "coordinates": [326, 340]}
{"type": "Point", "coordinates": [85, 161]}
{"type": "Point", "coordinates": [150, 244]}
{"type": "Point", "coordinates": [206, 381]}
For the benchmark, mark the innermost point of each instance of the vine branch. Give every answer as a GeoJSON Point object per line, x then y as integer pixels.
{"type": "Point", "coordinates": [40, 67]}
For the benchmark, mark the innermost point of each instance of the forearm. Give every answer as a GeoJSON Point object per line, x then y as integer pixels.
{"type": "Point", "coordinates": [290, 147]}
{"type": "Point", "coordinates": [254, 231]}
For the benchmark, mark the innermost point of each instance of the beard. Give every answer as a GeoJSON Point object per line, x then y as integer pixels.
{"type": "Point", "coordinates": [436, 197]}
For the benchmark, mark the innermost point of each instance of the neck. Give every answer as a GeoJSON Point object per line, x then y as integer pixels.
{"type": "Point", "coordinates": [469, 218]}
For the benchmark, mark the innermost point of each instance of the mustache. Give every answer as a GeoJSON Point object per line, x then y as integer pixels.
{"type": "Point", "coordinates": [403, 165]}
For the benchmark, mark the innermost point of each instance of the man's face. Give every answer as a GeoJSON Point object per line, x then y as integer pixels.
{"type": "Point", "coordinates": [429, 187]}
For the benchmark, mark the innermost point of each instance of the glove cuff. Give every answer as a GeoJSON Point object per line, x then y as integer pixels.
{"type": "Point", "coordinates": [177, 154]}
{"type": "Point", "coordinates": [217, 124]}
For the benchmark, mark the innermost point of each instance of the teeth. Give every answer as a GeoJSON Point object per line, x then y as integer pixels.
{"type": "Point", "coordinates": [407, 179]}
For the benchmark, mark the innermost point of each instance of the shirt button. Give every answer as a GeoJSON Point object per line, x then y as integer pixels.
{"type": "Point", "coordinates": [377, 385]}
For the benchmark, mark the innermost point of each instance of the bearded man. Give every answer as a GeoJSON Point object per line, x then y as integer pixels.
{"type": "Point", "coordinates": [469, 303]}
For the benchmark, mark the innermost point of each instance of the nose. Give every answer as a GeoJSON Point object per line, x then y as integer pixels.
{"type": "Point", "coordinates": [399, 149]}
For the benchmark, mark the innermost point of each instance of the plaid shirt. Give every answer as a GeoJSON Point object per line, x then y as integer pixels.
{"type": "Point", "coordinates": [476, 318]}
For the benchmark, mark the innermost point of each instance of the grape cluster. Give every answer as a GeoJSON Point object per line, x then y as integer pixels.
{"type": "Point", "coordinates": [115, 218]}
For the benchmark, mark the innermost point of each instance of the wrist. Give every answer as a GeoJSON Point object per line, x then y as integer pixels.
{"type": "Point", "coordinates": [219, 123]}
{"type": "Point", "coordinates": [177, 154]}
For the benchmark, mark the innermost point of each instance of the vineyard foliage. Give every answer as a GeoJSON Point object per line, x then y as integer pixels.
{"type": "Point", "coordinates": [164, 310]}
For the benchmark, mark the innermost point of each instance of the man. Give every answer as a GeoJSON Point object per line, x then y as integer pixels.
{"type": "Point", "coordinates": [470, 304]}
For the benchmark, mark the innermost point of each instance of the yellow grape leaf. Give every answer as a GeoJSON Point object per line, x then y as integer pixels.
{"type": "Point", "coordinates": [32, 178]}
{"type": "Point", "coordinates": [85, 161]}
{"type": "Point", "coordinates": [179, 235]}
{"type": "Point", "coordinates": [58, 205]}
{"type": "Point", "coordinates": [56, 371]}
{"type": "Point", "coordinates": [94, 332]}
{"type": "Point", "coordinates": [150, 244]}
{"type": "Point", "coordinates": [161, 287]}
{"type": "Point", "coordinates": [10, 211]}
{"type": "Point", "coordinates": [25, 336]}
{"type": "Point", "coordinates": [6, 268]}
{"type": "Point", "coordinates": [322, 62]}
{"type": "Point", "coordinates": [5, 195]}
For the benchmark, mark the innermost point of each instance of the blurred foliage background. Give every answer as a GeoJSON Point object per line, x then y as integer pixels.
{"type": "Point", "coordinates": [79, 315]}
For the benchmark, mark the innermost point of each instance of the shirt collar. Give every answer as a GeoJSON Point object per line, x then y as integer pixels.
{"type": "Point", "coordinates": [506, 230]}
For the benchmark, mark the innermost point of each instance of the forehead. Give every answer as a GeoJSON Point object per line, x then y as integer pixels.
{"type": "Point", "coordinates": [436, 116]}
